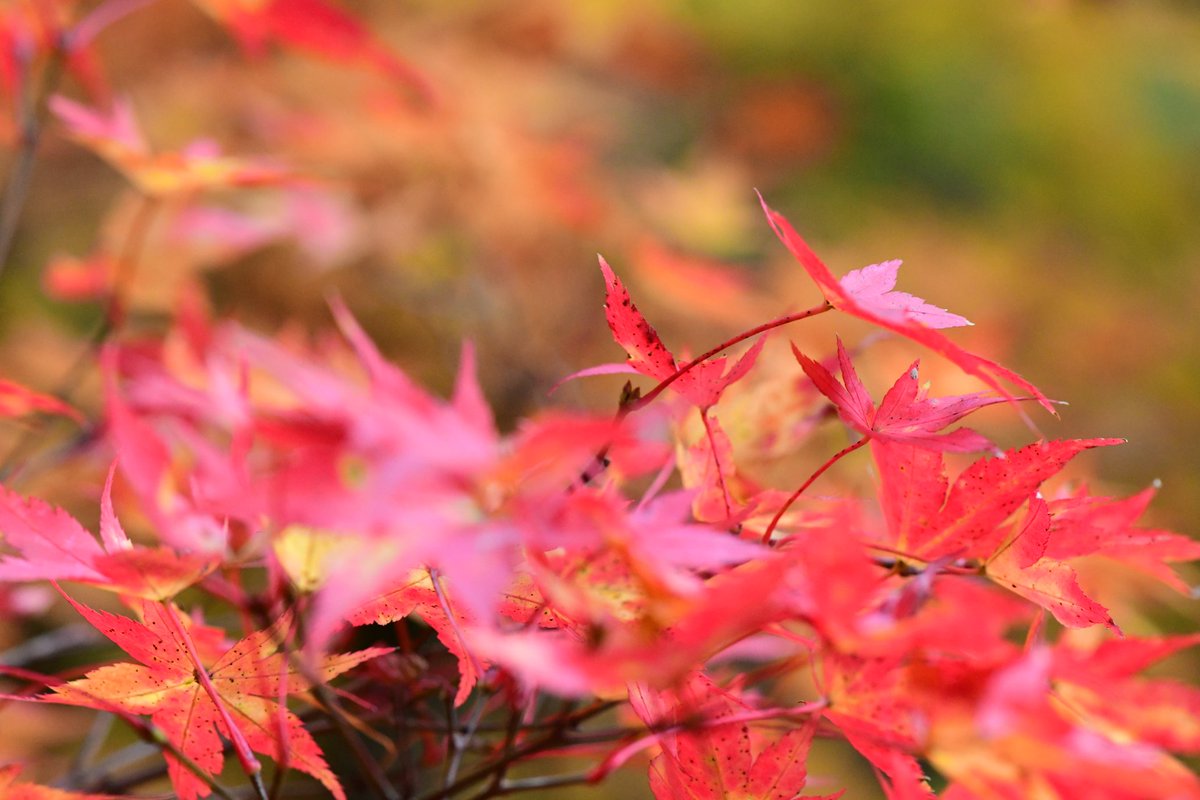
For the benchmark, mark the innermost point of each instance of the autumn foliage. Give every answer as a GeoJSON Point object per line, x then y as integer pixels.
{"type": "Point", "coordinates": [337, 582]}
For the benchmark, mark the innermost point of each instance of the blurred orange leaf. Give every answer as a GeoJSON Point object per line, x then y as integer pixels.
{"type": "Point", "coordinates": [17, 401]}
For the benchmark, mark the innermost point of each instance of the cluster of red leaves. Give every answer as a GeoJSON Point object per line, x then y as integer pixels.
{"type": "Point", "coordinates": [368, 501]}
{"type": "Point", "coordinates": [315, 491]}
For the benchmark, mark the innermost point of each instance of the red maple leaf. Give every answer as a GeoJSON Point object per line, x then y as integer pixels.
{"type": "Point", "coordinates": [866, 294]}
{"type": "Point", "coordinates": [1077, 721]}
{"type": "Point", "coordinates": [317, 27]}
{"type": "Point", "coordinates": [195, 704]}
{"type": "Point", "coordinates": [602, 652]}
{"type": "Point", "coordinates": [416, 594]}
{"type": "Point", "coordinates": [702, 385]}
{"type": "Point", "coordinates": [905, 414]}
{"type": "Point", "coordinates": [1102, 684]}
{"type": "Point", "coordinates": [1084, 524]}
{"type": "Point", "coordinates": [712, 757]}
{"type": "Point", "coordinates": [928, 518]}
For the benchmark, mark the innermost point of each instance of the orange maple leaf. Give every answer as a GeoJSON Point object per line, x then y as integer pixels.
{"type": "Point", "coordinates": [9, 790]}
{"type": "Point", "coordinates": [240, 702]}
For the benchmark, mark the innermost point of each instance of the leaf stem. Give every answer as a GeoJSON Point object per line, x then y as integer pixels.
{"type": "Point", "coordinates": [845, 451]}
{"type": "Point", "coordinates": [600, 460]}
{"type": "Point", "coordinates": [687, 367]}
{"type": "Point", "coordinates": [712, 442]}
{"type": "Point", "coordinates": [536, 783]}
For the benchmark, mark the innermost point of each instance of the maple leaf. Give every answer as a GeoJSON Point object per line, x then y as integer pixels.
{"type": "Point", "coordinates": [969, 516]}
{"type": "Point", "coordinates": [321, 223]}
{"type": "Point", "coordinates": [168, 685]}
{"type": "Point", "coordinates": [73, 279]}
{"type": "Point", "coordinates": [1072, 721]}
{"type": "Point", "coordinates": [717, 764]}
{"type": "Point", "coordinates": [905, 414]}
{"type": "Point", "coordinates": [930, 519]}
{"type": "Point", "coordinates": [1084, 524]}
{"type": "Point", "coordinates": [1102, 684]}
{"type": "Point", "coordinates": [34, 32]}
{"type": "Point", "coordinates": [724, 495]}
{"type": "Point", "coordinates": [912, 489]}
{"type": "Point", "coordinates": [1052, 585]}
{"type": "Point", "coordinates": [715, 760]}
{"type": "Point", "coordinates": [116, 138]}
{"type": "Point", "coordinates": [873, 703]}
{"type": "Point", "coordinates": [869, 696]}
{"type": "Point", "coordinates": [146, 461]}
{"type": "Point", "coordinates": [702, 385]}
{"type": "Point", "coordinates": [873, 287]}
{"type": "Point", "coordinates": [866, 294]}
{"type": "Point", "coordinates": [599, 655]}
{"type": "Point", "coordinates": [10, 790]}
{"type": "Point", "coordinates": [52, 545]}
{"type": "Point", "coordinates": [831, 573]}
{"type": "Point", "coordinates": [416, 594]}
{"type": "Point", "coordinates": [317, 27]}
{"type": "Point", "coordinates": [925, 614]}
{"type": "Point", "coordinates": [17, 401]}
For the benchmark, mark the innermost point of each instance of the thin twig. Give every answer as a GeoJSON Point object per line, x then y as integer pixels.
{"type": "Point", "coordinates": [371, 770]}
{"type": "Point", "coordinates": [89, 748]}
{"type": "Point", "coordinates": [375, 776]}
{"type": "Point", "coordinates": [33, 113]}
{"type": "Point", "coordinates": [463, 740]}
{"type": "Point", "coordinates": [51, 644]}
{"type": "Point", "coordinates": [535, 784]}
{"type": "Point", "coordinates": [551, 739]}
{"type": "Point", "coordinates": [127, 263]}
{"type": "Point", "coordinates": [510, 737]}
{"type": "Point", "coordinates": [123, 759]}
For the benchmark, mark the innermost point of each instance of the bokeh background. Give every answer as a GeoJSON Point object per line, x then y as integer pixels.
{"type": "Point", "coordinates": [1036, 164]}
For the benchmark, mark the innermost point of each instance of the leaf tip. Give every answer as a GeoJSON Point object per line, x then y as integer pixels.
{"type": "Point", "coordinates": [610, 277]}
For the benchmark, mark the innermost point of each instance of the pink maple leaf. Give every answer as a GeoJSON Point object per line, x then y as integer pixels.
{"type": "Point", "coordinates": [873, 288]}
{"type": "Point", "coordinates": [51, 545]}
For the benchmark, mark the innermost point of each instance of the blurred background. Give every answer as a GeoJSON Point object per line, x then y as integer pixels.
{"type": "Point", "coordinates": [1036, 164]}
